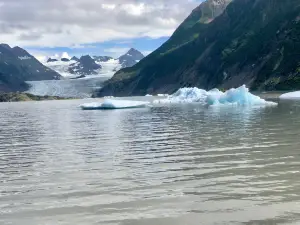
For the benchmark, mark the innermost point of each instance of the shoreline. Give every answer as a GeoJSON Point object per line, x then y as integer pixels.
{"type": "Point", "coordinates": [26, 97]}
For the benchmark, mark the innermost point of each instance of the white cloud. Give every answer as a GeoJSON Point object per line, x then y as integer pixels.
{"type": "Point", "coordinates": [116, 52]}
{"type": "Point", "coordinates": [70, 23]}
{"type": "Point", "coordinates": [134, 9]}
{"type": "Point", "coordinates": [80, 46]}
{"type": "Point", "coordinates": [65, 55]}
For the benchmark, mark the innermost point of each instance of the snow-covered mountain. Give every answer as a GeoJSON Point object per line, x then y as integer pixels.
{"type": "Point", "coordinates": [90, 66]}
{"type": "Point", "coordinates": [131, 58]}
{"type": "Point", "coordinates": [18, 66]}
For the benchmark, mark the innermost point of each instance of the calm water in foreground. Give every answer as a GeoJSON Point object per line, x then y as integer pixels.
{"type": "Point", "coordinates": [176, 165]}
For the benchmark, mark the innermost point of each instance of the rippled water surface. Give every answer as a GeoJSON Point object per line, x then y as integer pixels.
{"type": "Point", "coordinates": [175, 165]}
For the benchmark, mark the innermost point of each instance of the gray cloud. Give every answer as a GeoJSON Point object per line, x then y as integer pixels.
{"type": "Point", "coordinates": [74, 22]}
{"type": "Point", "coordinates": [30, 36]}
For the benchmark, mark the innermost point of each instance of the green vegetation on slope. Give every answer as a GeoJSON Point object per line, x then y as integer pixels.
{"type": "Point", "coordinates": [253, 42]}
{"type": "Point", "coordinates": [188, 31]}
{"type": "Point", "coordinates": [23, 97]}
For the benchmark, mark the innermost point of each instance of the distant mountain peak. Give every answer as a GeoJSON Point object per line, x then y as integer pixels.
{"type": "Point", "coordinates": [18, 66]}
{"type": "Point", "coordinates": [20, 51]}
{"type": "Point", "coordinates": [86, 57]}
{"type": "Point", "coordinates": [5, 46]}
{"type": "Point", "coordinates": [130, 58]}
{"type": "Point", "coordinates": [135, 53]}
{"type": "Point", "coordinates": [86, 65]}
{"type": "Point", "coordinates": [74, 58]}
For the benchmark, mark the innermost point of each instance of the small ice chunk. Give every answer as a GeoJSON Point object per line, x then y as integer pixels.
{"type": "Point", "coordinates": [148, 95]}
{"type": "Point", "coordinates": [291, 95]}
{"type": "Point", "coordinates": [24, 57]}
{"type": "Point", "coordinates": [114, 104]}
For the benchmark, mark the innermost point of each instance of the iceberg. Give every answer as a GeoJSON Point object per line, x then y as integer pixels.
{"type": "Point", "coordinates": [291, 95]}
{"type": "Point", "coordinates": [234, 96]}
{"type": "Point", "coordinates": [185, 95]}
{"type": "Point", "coordinates": [237, 96]}
{"type": "Point", "coordinates": [113, 104]}
{"type": "Point", "coordinates": [162, 95]}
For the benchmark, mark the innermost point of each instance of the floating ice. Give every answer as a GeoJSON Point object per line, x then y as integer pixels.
{"type": "Point", "coordinates": [114, 104]}
{"type": "Point", "coordinates": [238, 96]}
{"type": "Point", "coordinates": [185, 95]}
{"type": "Point", "coordinates": [291, 95]}
{"type": "Point", "coordinates": [162, 95]}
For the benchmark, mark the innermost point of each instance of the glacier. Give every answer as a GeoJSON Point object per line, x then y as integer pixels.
{"type": "Point", "coordinates": [78, 88]}
{"type": "Point", "coordinates": [114, 104]}
{"type": "Point", "coordinates": [236, 96]}
{"type": "Point", "coordinates": [291, 95]}
{"type": "Point", "coordinates": [68, 87]}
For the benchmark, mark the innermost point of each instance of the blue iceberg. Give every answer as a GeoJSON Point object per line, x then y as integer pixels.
{"type": "Point", "coordinates": [214, 97]}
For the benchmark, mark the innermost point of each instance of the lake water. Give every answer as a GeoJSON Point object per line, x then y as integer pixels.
{"type": "Point", "coordinates": [167, 165]}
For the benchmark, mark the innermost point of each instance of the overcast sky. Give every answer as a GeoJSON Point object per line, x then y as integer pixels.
{"type": "Point", "coordinates": [97, 26]}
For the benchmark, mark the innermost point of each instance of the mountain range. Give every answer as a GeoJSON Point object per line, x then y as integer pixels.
{"type": "Point", "coordinates": [17, 66]}
{"type": "Point", "coordinates": [222, 44]}
{"type": "Point", "coordinates": [92, 65]}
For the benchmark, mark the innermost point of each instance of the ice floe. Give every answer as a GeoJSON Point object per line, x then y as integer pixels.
{"type": "Point", "coordinates": [114, 104]}
{"type": "Point", "coordinates": [162, 95]}
{"type": "Point", "coordinates": [234, 96]}
{"type": "Point", "coordinates": [291, 95]}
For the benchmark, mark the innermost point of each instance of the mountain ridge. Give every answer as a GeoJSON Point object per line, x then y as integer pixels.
{"type": "Point", "coordinates": [256, 47]}
{"type": "Point", "coordinates": [92, 65]}
{"type": "Point", "coordinates": [18, 66]}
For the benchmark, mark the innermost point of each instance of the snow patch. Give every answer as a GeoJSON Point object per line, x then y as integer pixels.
{"type": "Point", "coordinates": [62, 67]}
{"type": "Point", "coordinates": [114, 104]}
{"type": "Point", "coordinates": [109, 67]}
{"type": "Point", "coordinates": [291, 95]}
{"type": "Point", "coordinates": [24, 57]}
{"type": "Point", "coordinates": [235, 96]}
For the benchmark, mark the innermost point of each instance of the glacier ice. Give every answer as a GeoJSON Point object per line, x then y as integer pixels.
{"type": "Point", "coordinates": [114, 104]}
{"type": "Point", "coordinates": [234, 96]}
{"type": "Point", "coordinates": [291, 95]}
{"type": "Point", "coordinates": [238, 96]}
{"type": "Point", "coordinates": [184, 95]}
{"type": "Point", "coordinates": [162, 95]}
